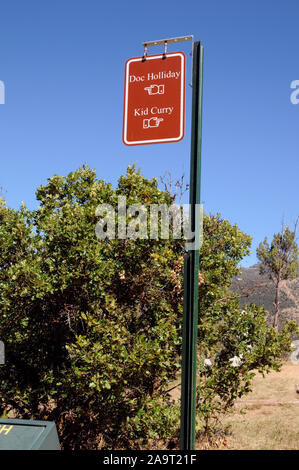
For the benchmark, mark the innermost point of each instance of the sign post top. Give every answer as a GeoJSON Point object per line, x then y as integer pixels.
{"type": "Point", "coordinates": [169, 41]}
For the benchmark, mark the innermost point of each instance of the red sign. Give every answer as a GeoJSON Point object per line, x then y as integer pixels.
{"type": "Point", "coordinates": [154, 102]}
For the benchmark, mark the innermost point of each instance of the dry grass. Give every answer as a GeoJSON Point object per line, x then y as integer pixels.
{"type": "Point", "coordinates": [268, 418]}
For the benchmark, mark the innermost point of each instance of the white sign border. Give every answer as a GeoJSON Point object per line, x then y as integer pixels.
{"type": "Point", "coordinates": [125, 117]}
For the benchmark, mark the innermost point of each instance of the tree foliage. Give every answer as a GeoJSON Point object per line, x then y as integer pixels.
{"type": "Point", "coordinates": [280, 261]}
{"type": "Point", "coordinates": [92, 328]}
{"type": "Point", "coordinates": [233, 343]}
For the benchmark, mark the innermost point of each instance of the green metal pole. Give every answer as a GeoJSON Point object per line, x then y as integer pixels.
{"type": "Point", "coordinates": [191, 264]}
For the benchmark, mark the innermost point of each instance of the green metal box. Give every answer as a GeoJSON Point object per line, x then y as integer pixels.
{"type": "Point", "coordinates": [22, 434]}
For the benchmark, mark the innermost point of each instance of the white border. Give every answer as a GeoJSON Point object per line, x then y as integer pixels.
{"type": "Point", "coordinates": [175, 139]}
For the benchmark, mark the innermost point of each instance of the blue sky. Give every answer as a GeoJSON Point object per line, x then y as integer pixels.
{"type": "Point", "coordinates": [62, 63]}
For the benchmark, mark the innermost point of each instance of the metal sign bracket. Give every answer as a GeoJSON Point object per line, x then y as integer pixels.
{"type": "Point", "coordinates": [167, 41]}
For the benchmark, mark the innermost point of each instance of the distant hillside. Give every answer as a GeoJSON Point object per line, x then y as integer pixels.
{"type": "Point", "coordinates": [261, 291]}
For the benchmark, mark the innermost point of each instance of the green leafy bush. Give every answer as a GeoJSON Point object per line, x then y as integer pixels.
{"type": "Point", "coordinates": [92, 328]}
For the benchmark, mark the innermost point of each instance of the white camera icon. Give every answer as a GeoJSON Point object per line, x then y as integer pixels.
{"type": "Point", "coordinates": [152, 122]}
{"type": "Point", "coordinates": [155, 89]}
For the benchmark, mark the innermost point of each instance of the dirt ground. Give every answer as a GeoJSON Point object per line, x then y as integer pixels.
{"type": "Point", "coordinates": [267, 418]}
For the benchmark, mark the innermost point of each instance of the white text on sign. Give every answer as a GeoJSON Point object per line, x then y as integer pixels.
{"type": "Point", "coordinates": [154, 110]}
{"type": "Point", "coordinates": [154, 76]}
